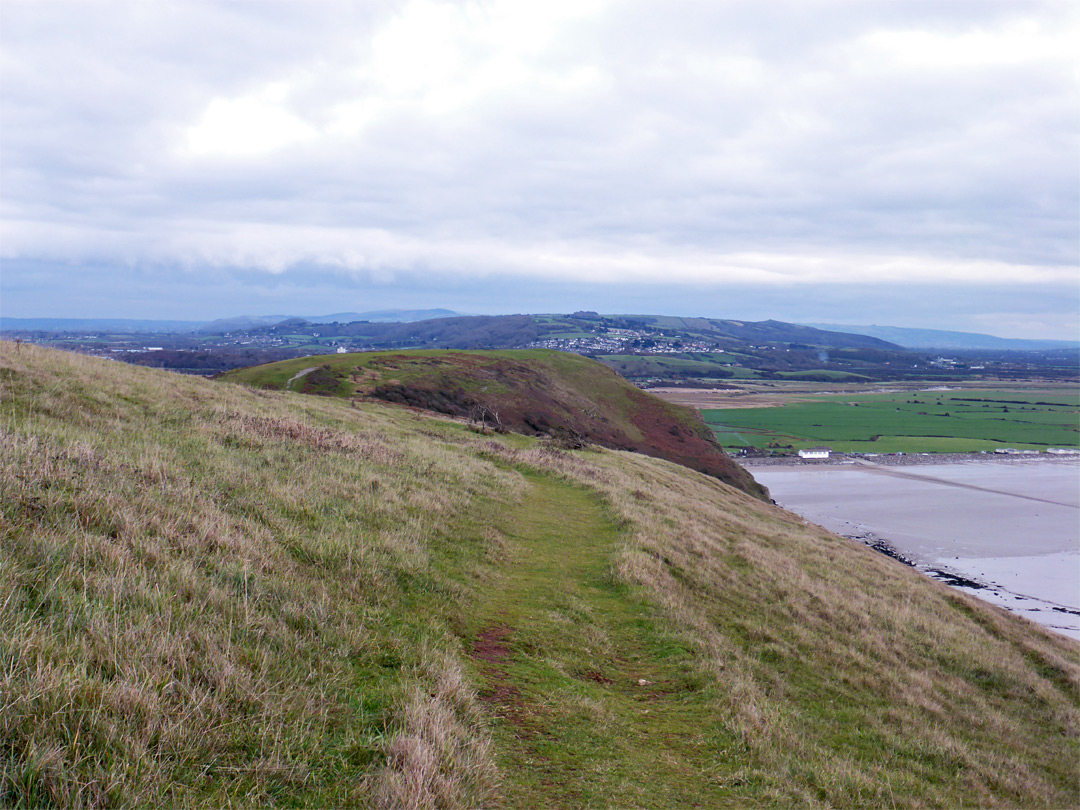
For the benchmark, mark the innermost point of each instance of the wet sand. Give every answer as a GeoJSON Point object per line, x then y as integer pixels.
{"type": "Point", "coordinates": [1008, 533]}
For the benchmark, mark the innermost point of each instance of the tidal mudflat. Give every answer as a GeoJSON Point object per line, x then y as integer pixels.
{"type": "Point", "coordinates": [1008, 533]}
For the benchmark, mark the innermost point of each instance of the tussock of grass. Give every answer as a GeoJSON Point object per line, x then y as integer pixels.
{"type": "Point", "coordinates": [216, 596]}
{"type": "Point", "coordinates": [437, 758]}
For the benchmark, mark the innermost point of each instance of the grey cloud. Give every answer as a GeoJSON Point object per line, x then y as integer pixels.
{"type": "Point", "coordinates": [1043, 311]}
{"type": "Point", "coordinates": [675, 130]}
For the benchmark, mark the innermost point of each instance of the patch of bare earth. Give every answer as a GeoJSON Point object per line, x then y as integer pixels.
{"type": "Point", "coordinates": [504, 698]}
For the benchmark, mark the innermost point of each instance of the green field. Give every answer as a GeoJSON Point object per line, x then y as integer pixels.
{"type": "Point", "coordinates": [908, 422]}
{"type": "Point", "coordinates": [823, 375]}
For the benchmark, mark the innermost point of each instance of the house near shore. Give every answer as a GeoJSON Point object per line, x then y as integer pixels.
{"type": "Point", "coordinates": [816, 452]}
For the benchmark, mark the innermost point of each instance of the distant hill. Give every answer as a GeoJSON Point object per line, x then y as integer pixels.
{"type": "Point", "coordinates": [214, 593]}
{"type": "Point", "coordinates": [535, 392]}
{"type": "Point", "coordinates": [239, 323]}
{"type": "Point", "coordinates": [384, 316]}
{"type": "Point", "coordinates": [379, 316]}
{"type": "Point", "coordinates": [520, 331]}
{"type": "Point", "coordinates": [444, 328]}
{"type": "Point", "coordinates": [943, 339]}
{"type": "Point", "coordinates": [703, 349]}
{"type": "Point", "coordinates": [231, 324]}
{"type": "Point", "coordinates": [121, 325]}
{"type": "Point", "coordinates": [769, 331]}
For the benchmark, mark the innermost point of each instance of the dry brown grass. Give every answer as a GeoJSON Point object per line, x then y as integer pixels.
{"type": "Point", "coordinates": [441, 757]}
{"type": "Point", "coordinates": [847, 679]}
{"type": "Point", "coordinates": [202, 592]}
{"type": "Point", "coordinates": [217, 596]}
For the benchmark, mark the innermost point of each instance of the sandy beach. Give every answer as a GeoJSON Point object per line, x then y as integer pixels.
{"type": "Point", "coordinates": [1007, 532]}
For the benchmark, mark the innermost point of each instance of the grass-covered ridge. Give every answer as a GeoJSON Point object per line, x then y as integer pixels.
{"type": "Point", "coordinates": [533, 391]}
{"type": "Point", "coordinates": [215, 595]}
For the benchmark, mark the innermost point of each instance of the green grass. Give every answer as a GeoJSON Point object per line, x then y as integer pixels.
{"type": "Point", "coordinates": [217, 596]}
{"type": "Point", "coordinates": [700, 366]}
{"type": "Point", "coordinates": [403, 366]}
{"type": "Point", "coordinates": [959, 421]}
{"type": "Point", "coordinates": [539, 391]}
{"type": "Point", "coordinates": [568, 694]}
{"type": "Point", "coordinates": [212, 597]}
{"type": "Point", "coordinates": [823, 374]}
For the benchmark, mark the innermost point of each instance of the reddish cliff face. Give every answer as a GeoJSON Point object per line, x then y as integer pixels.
{"type": "Point", "coordinates": [540, 392]}
{"type": "Point", "coordinates": [571, 398]}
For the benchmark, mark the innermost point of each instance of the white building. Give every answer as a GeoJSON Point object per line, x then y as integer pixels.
{"type": "Point", "coordinates": [815, 452]}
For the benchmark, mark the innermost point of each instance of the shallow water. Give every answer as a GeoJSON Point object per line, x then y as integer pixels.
{"type": "Point", "coordinates": [1012, 528]}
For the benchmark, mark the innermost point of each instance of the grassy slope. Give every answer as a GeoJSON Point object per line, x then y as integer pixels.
{"type": "Point", "coordinates": [533, 391]}
{"type": "Point", "coordinates": [910, 422]}
{"type": "Point", "coordinates": [221, 596]}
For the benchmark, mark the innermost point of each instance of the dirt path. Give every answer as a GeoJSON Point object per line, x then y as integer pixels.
{"type": "Point", "coordinates": [298, 375]}
{"type": "Point", "coordinates": [596, 705]}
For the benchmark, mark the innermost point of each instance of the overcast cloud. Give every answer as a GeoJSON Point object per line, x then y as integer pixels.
{"type": "Point", "coordinates": [213, 158]}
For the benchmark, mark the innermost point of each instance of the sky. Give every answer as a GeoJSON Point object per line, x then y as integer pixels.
{"type": "Point", "coordinates": [841, 161]}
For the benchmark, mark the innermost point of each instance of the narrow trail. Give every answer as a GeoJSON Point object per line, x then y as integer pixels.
{"type": "Point", "coordinates": [298, 375]}
{"type": "Point", "coordinates": [595, 704]}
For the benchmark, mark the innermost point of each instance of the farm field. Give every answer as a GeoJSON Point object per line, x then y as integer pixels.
{"type": "Point", "coordinates": [956, 421]}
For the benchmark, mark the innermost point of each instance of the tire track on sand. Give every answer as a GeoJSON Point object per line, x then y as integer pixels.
{"type": "Point", "coordinates": [881, 470]}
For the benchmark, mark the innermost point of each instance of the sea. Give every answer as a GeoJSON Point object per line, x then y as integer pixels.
{"type": "Point", "coordinates": [1007, 532]}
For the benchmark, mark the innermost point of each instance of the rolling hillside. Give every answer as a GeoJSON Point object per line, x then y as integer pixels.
{"type": "Point", "coordinates": [220, 596]}
{"type": "Point", "coordinates": [536, 392]}
{"type": "Point", "coordinates": [944, 339]}
{"type": "Point", "coordinates": [518, 331]}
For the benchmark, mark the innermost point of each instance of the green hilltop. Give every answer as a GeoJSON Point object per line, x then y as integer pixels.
{"type": "Point", "coordinates": [218, 595]}
{"type": "Point", "coordinates": [538, 392]}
